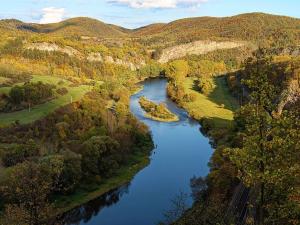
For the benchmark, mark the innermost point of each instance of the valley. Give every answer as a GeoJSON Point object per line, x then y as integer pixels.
{"type": "Point", "coordinates": [191, 122]}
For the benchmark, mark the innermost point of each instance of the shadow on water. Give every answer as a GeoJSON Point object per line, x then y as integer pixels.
{"type": "Point", "coordinates": [85, 212]}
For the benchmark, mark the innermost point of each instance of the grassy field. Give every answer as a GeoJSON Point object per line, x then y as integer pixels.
{"type": "Point", "coordinates": [39, 111]}
{"type": "Point", "coordinates": [218, 105]}
{"type": "Point", "coordinates": [4, 90]}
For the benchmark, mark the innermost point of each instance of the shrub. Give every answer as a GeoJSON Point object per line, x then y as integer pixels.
{"type": "Point", "coordinates": [62, 91]}
{"type": "Point", "coordinates": [206, 85]}
{"type": "Point", "coordinates": [19, 153]}
{"type": "Point", "coordinates": [34, 93]}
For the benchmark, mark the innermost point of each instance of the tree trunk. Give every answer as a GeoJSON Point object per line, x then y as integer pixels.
{"type": "Point", "coordinates": [262, 203]}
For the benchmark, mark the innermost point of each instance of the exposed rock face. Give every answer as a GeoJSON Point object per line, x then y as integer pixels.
{"type": "Point", "coordinates": [109, 59]}
{"type": "Point", "coordinates": [130, 65]}
{"type": "Point", "coordinates": [196, 48]}
{"type": "Point", "coordinates": [92, 57]}
{"type": "Point", "coordinates": [292, 51]}
{"type": "Point", "coordinates": [95, 57]}
{"type": "Point", "coordinates": [290, 95]}
{"type": "Point", "coordinates": [54, 47]}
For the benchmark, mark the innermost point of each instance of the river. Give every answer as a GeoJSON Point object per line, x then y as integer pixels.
{"type": "Point", "coordinates": [181, 152]}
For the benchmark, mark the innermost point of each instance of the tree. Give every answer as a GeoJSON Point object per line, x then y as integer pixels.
{"type": "Point", "coordinates": [19, 153]}
{"type": "Point", "coordinates": [13, 46]}
{"type": "Point", "coordinates": [206, 85]}
{"type": "Point", "coordinates": [267, 161]}
{"type": "Point", "coordinates": [27, 189]}
{"type": "Point", "coordinates": [177, 70]}
{"type": "Point", "coordinates": [99, 155]}
{"type": "Point", "coordinates": [16, 95]}
{"type": "Point", "coordinates": [71, 173]}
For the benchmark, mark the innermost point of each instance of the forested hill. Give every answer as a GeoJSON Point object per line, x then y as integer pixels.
{"type": "Point", "coordinates": [80, 26]}
{"type": "Point", "coordinates": [250, 27]}
{"type": "Point", "coordinates": [67, 133]}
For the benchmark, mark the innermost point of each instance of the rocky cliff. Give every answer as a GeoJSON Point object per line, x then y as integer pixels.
{"type": "Point", "coordinates": [196, 48]}
{"type": "Point", "coordinates": [50, 47]}
{"type": "Point", "coordinates": [289, 96]}
{"type": "Point", "coordinates": [92, 57]}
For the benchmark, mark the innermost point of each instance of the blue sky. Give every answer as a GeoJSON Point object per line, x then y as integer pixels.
{"type": "Point", "coordinates": [136, 13]}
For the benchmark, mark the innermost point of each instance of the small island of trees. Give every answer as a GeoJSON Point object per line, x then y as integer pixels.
{"type": "Point", "coordinates": [157, 112]}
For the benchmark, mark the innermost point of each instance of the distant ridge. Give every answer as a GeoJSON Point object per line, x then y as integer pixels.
{"type": "Point", "coordinates": [81, 26]}
{"type": "Point", "coordinates": [248, 27]}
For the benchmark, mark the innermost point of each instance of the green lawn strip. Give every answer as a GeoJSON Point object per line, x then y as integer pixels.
{"type": "Point", "coordinates": [222, 96]}
{"type": "Point", "coordinates": [5, 90]}
{"type": "Point", "coordinates": [36, 78]}
{"type": "Point", "coordinates": [39, 111]}
{"type": "Point", "coordinates": [219, 105]}
{"type": "Point", "coordinates": [85, 194]}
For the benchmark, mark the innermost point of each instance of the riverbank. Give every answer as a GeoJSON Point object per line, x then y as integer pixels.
{"type": "Point", "coordinates": [85, 194]}
{"type": "Point", "coordinates": [160, 119]}
{"type": "Point", "coordinates": [218, 106]}
{"type": "Point", "coordinates": [135, 160]}
{"type": "Point", "coordinates": [214, 112]}
{"type": "Point", "coordinates": [174, 161]}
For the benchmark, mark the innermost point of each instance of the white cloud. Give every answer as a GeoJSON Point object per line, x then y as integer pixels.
{"type": "Point", "coordinates": [52, 15]}
{"type": "Point", "coordinates": [159, 3]}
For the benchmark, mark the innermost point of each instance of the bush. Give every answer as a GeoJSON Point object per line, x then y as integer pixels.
{"type": "Point", "coordinates": [19, 153]}
{"type": "Point", "coordinates": [33, 93]}
{"type": "Point", "coordinates": [191, 97]}
{"type": "Point", "coordinates": [62, 91]}
{"type": "Point", "coordinates": [206, 85]}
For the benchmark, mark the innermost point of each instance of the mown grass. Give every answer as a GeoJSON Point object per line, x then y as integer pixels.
{"type": "Point", "coordinates": [4, 90]}
{"type": "Point", "coordinates": [219, 105]}
{"type": "Point", "coordinates": [39, 111]}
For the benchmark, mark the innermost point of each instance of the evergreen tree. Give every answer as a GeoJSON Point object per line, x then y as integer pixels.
{"type": "Point", "coordinates": [267, 161]}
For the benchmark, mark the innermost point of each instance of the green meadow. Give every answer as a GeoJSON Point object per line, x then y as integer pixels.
{"type": "Point", "coordinates": [25, 116]}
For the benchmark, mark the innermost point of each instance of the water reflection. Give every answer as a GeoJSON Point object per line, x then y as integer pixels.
{"type": "Point", "coordinates": [85, 212]}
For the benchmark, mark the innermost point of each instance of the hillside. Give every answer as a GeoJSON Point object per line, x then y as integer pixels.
{"type": "Point", "coordinates": [244, 27]}
{"type": "Point", "coordinates": [149, 29]}
{"type": "Point", "coordinates": [196, 48]}
{"type": "Point", "coordinates": [247, 27]}
{"type": "Point", "coordinates": [10, 24]}
{"type": "Point", "coordinates": [80, 26]}
{"type": "Point", "coordinates": [76, 103]}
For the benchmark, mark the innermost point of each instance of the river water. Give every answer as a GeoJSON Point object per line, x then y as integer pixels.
{"type": "Point", "coordinates": [181, 152]}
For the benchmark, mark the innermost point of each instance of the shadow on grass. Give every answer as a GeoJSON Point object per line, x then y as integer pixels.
{"type": "Point", "coordinates": [221, 94]}
{"type": "Point", "coordinates": [195, 86]}
{"type": "Point", "coordinates": [216, 129]}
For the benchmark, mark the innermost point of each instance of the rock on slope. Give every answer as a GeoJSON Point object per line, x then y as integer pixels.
{"type": "Point", "coordinates": [196, 48]}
